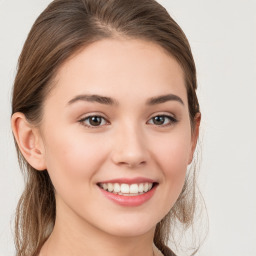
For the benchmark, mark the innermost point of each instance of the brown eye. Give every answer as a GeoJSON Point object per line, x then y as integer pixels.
{"type": "Point", "coordinates": [162, 120]}
{"type": "Point", "coordinates": [93, 121]}
{"type": "Point", "coordinates": [158, 120]}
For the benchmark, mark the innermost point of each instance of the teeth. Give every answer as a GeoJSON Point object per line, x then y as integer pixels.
{"type": "Point", "coordinates": [145, 187]}
{"type": "Point", "coordinates": [116, 187]}
{"type": "Point", "coordinates": [134, 189]}
{"type": "Point", "coordinates": [126, 189]}
{"type": "Point", "coordinates": [110, 187]}
{"type": "Point", "coordinates": [141, 187]}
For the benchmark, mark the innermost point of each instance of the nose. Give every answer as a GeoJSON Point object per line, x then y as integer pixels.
{"type": "Point", "coordinates": [130, 148]}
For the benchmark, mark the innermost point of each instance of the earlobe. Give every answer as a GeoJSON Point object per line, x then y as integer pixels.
{"type": "Point", "coordinates": [29, 141]}
{"type": "Point", "coordinates": [195, 135]}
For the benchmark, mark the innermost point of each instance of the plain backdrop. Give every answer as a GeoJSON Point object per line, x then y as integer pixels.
{"type": "Point", "coordinates": [222, 34]}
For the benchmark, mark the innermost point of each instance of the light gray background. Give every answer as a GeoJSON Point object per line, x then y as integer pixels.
{"type": "Point", "coordinates": [222, 34]}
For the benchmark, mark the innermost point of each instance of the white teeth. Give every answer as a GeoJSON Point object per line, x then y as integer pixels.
{"type": "Point", "coordinates": [141, 187]}
{"type": "Point", "coordinates": [110, 187]}
{"type": "Point", "coordinates": [134, 189]}
{"type": "Point", "coordinates": [145, 187]}
{"type": "Point", "coordinates": [116, 187]}
{"type": "Point", "coordinates": [126, 189]}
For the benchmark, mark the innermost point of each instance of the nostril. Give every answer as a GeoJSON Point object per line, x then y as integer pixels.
{"type": "Point", "coordinates": [132, 165]}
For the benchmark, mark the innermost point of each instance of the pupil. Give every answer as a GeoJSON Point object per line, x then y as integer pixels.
{"type": "Point", "coordinates": [95, 120]}
{"type": "Point", "coordinates": [159, 120]}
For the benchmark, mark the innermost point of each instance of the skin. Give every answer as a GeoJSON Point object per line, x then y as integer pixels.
{"type": "Point", "coordinates": [127, 143]}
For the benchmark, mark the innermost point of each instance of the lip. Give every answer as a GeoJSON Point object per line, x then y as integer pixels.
{"type": "Point", "coordinates": [129, 180]}
{"type": "Point", "coordinates": [129, 201]}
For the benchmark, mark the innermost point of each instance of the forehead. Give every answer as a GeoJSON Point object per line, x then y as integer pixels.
{"type": "Point", "coordinates": [119, 67]}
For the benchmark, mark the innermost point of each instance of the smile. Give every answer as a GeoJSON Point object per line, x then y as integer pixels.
{"type": "Point", "coordinates": [129, 193]}
{"type": "Point", "coordinates": [127, 189]}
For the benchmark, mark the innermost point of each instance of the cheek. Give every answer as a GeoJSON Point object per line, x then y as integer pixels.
{"type": "Point", "coordinates": [172, 156]}
{"type": "Point", "coordinates": [72, 162]}
{"type": "Point", "coordinates": [73, 159]}
{"type": "Point", "coordinates": [173, 163]}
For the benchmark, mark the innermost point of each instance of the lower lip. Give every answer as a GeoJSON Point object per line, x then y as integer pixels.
{"type": "Point", "coordinates": [129, 200]}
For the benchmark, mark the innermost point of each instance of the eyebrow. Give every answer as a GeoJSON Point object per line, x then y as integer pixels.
{"type": "Point", "coordinates": [110, 101]}
{"type": "Point", "coordinates": [163, 99]}
{"type": "Point", "coordinates": [93, 98]}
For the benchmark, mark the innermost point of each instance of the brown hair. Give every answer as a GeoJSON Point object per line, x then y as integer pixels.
{"type": "Point", "coordinates": [61, 30]}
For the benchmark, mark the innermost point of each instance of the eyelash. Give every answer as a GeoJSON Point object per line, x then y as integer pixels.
{"type": "Point", "coordinates": [172, 120]}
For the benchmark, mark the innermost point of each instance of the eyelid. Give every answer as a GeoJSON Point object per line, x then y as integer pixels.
{"type": "Point", "coordinates": [82, 120]}
{"type": "Point", "coordinates": [168, 114]}
{"type": "Point", "coordinates": [171, 117]}
{"type": "Point", "coordinates": [90, 114]}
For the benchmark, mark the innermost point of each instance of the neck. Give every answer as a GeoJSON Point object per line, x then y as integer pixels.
{"type": "Point", "coordinates": [80, 239]}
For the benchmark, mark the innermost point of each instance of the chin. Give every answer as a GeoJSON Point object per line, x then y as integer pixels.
{"type": "Point", "coordinates": [130, 231]}
{"type": "Point", "coordinates": [130, 227]}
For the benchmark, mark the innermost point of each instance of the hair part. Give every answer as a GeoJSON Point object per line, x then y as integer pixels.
{"type": "Point", "coordinates": [63, 28]}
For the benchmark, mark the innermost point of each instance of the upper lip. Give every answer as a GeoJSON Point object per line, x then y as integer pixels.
{"type": "Point", "coordinates": [129, 180]}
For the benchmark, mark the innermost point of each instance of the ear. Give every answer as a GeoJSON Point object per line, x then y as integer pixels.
{"type": "Point", "coordinates": [29, 141]}
{"type": "Point", "coordinates": [195, 134]}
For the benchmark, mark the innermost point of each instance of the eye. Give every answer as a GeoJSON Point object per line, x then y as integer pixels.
{"type": "Point", "coordinates": [162, 120]}
{"type": "Point", "coordinates": [93, 121]}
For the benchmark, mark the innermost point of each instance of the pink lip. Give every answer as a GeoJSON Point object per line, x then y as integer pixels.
{"type": "Point", "coordinates": [129, 200]}
{"type": "Point", "coordinates": [129, 181]}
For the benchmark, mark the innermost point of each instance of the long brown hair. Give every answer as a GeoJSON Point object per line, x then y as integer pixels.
{"type": "Point", "coordinates": [63, 28]}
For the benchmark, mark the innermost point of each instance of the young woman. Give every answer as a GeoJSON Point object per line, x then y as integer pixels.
{"type": "Point", "coordinates": [106, 120]}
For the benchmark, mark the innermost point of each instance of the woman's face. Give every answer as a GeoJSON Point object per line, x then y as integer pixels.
{"type": "Point", "coordinates": [118, 114]}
